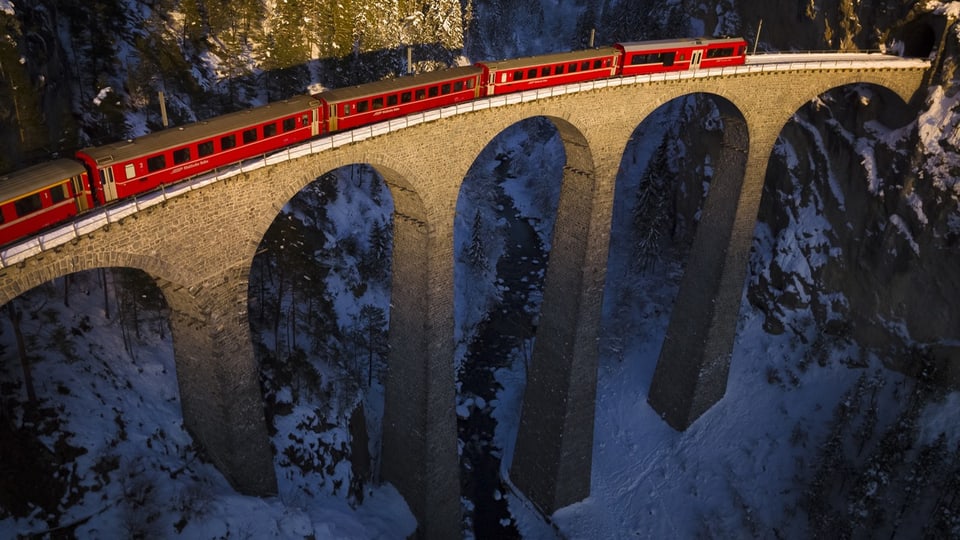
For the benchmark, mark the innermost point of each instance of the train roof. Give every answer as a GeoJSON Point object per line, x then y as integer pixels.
{"type": "Point", "coordinates": [388, 86]}
{"type": "Point", "coordinates": [658, 44]}
{"type": "Point", "coordinates": [177, 136]}
{"type": "Point", "coordinates": [555, 58]}
{"type": "Point", "coordinates": [26, 181]}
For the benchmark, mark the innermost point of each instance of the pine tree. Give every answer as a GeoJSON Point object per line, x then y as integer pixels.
{"type": "Point", "coordinates": [476, 255]}
{"type": "Point", "coordinates": [651, 211]}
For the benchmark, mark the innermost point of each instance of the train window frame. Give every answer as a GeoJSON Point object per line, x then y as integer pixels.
{"type": "Point", "coordinates": [572, 68]}
{"type": "Point", "coordinates": [433, 91]}
{"type": "Point", "coordinates": [406, 97]}
{"type": "Point", "coordinates": [469, 84]}
{"type": "Point", "coordinates": [181, 155]}
{"type": "Point", "coordinates": [532, 73]}
{"type": "Point", "coordinates": [668, 58]}
{"type": "Point", "coordinates": [289, 124]}
{"type": "Point", "coordinates": [156, 163]}
{"type": "Point", "coordinates": [362, 106]}
{"type": "Point", "coordinates": [59, 193]}
{"type": "Point", "coordinates": [458, 86]}
{"type": "Point", "coordinates": [445, 89]}
{"type": "Point", "coordinates": [228, 141]}
{"type": "Point", "coordinates": [420, 93]}
{"type": "Point", "coordinates": [376, 103]}
{"type": "Point", "coordinates": [558, 70]}
{"type": "Point", "coordinates": [392, 100]}
{"type": "Point", "coordinates": [518, 75]}
{"type": "Point", "coordinates": [346, 109]}
{"type": "Point", "coordinates": [597, 64]}
{"type": "Point", "coordinates": [249, 135]}
{"type": "Point", "coordinates": [269, 130]}
{"type": "Point", "coordinates": [130, 170]}
{"type": "Point", "coordinates": [585, 65]}
{"type": "Point", "coordinates": [545, 71]}
{"type": "Point", "coordinates": [25, 206]}
{"type": "Point", "coordinates": [205, 148]}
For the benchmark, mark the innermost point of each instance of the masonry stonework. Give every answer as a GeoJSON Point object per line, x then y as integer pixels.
{"type": "Point", "coordinates": [199, 248]}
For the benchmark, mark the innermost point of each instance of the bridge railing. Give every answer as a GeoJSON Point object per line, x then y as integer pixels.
{"type": "Point", "coordinates": [115, 213]}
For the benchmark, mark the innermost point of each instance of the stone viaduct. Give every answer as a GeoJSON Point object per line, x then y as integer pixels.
{"type": "Point", "coordinates": [199, 248]}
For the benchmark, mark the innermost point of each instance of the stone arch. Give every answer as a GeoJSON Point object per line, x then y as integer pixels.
{"type": "Point", "coordinates": [553, 456]}
{"type": "Point", "coordinates": [705, 293]}
{"type": "Point", "coordinates": [157, 268]}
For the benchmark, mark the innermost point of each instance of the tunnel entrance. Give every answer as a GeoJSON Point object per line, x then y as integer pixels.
{"type": "Point", "coordinates": [919, 38]}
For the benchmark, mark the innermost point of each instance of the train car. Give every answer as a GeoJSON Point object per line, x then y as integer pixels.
{"type": "Point", "coordinates": [533, 72]}
{"type": "Point", "coordinates": [40, 196]}
{"type": "Point", "coordinates": [644, 57]}
{"type": "Point", "coordinates": [347, 108]}
{"type": "Point", "coordinates": [133, 166]}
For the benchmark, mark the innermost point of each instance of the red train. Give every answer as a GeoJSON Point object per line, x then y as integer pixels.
{"type": "Point", "coordinates": [47, 194]}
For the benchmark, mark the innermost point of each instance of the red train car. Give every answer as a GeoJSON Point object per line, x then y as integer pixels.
{"type": "Point", "coordinates": [40, 196]}
{"type": "Point", "coordinates": [659, 56]}
{"type": "Point", "coordinates": [534, 72]}
{"type": "Point", "coordinates": [347, 108]}
{"type": "Point", "coordinates": [133, 166]}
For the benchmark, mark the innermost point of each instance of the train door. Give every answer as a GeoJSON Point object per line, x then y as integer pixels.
{"type": "Point", "coordinates": [109, 186]}
{"type": "Point", "coordinates": [695, 59]}
{"type": "Point", "coordinates": [80, 192]}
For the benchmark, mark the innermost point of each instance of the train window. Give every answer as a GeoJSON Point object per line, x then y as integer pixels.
{"type": "Point", "coordinates": [406, 97]}
{"type": "Point", "coordinates": [458, 86]}
{"type": "Point", "coordinates": [532, 73]}
{"type": "Point", "coordinates": [469, 84]}
{"type": "Point", "coordinates": [228, 142]}
{"type": "Point", "coordinates": [545, 71]}
{"type": "Point", "coordinates": [668, 58]}
{"type": "Point", "coordinates": [518, 75]}
{"type": "Point", "coordinates": [305, 119]}
{"type": "Point", "coordinates": [363, 106]}
{"type": "Point", "coordinates": [181, 155]}
{"type": "Point", "coordinates": [377, 103]}
{"type": "Point", "coordinates": [346, 109]}
{"type": "Point", "coordinates": [269, 130]}
{"type": "Point", "coordinates": [391, 100]}
{"type": "Point", "coordinates": [585, 65]}
{"type": "Point", "coordinates": [130, 171]}
{"type": "Point", "coordinates": [156, 163]}
{"type": "Point", "coordinates": [249, 135]}
{"type": "Point", "coordinates": [205, 148]}
{"type": "Point", "coordinates": [421, 93]}
{"type": "Point", "coordinates": [445, 89]}
{"type": "Point", "coordinates": [59, 193]}
{"type": "Point", "coordinates": [558, 70]}
{"type": "Point", "coordinates": [573, 68]}
{"type": "Point", "coordinates": [720, 53]}
{"type": "Point", "coordinates": [433, 91]}
{"type": "Point", "coordinates": [28, 205]}
{"type": "Point", "coordinates": [289, 124]}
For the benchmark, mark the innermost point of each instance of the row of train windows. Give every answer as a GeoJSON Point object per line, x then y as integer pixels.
{"type": "Point", "coordinates": [720, 53]}
{"type": "Point", "coordinates": [33, 203]}
{"type": "Point", "coordinates": [546, 71]}
{"type": "Point", "coordinates": [204, 149]}
{"type": "Point", "coordinates": [406, 97]}
{"type": "Point", "coordinates": [665, 59]}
